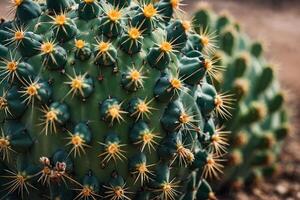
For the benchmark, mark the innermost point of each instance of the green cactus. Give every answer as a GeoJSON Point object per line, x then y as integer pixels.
{"type": "Point", "coordinates": [100, 101]}
{"type": "Point", "coordinates": [259, 122]}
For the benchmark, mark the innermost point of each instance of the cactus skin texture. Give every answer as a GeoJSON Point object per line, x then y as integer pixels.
{"type": "Point", "coordinates": [259, 122]}
{"type": "Point", "coordinates": [101, 101]}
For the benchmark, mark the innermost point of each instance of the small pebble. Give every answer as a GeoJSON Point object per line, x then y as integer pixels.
{"type": "Point", "coordinates": [281, 189]}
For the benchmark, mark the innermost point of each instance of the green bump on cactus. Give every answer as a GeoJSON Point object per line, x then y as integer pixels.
{"type": "Point", "coordinates": [104, 100]}
{"type": "Point", "coordinates": [88, 9]}
{"type": "Point", "coordinates": [58, 5]}
{"type": "Point", "coordinates": [259, 122]}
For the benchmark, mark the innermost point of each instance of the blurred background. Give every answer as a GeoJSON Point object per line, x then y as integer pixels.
{"type": "Point", "coordinates": [277, 24]}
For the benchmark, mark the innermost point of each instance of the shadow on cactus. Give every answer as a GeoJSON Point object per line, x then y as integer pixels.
{"type": "Point", "coordinates": [100, 100]}
{"type": "Point", "coordinates": [259, 122]}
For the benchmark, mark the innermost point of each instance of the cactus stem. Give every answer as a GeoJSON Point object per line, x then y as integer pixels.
{"type": "Point", "coordinates": [112, 151]}
{"type": "Point", "coordinates": [155, 69]}
{"type": "Point", "coordinates": [116, 193]}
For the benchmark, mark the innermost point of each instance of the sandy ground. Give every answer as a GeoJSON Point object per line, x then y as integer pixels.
{"type": "Point", "coordinates": [279, 28]}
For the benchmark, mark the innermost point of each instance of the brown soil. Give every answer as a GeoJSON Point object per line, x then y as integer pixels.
{"type": "Point", "coordinates": [279, 28]}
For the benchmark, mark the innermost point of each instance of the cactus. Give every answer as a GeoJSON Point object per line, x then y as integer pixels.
{"type": "Point", "coordinates": [259, 121]}
{"type": "Point", "coordinates": [99, 100]}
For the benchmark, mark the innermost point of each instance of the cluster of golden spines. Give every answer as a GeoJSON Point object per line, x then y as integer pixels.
{"type": "Point", "coordinates": [134, 33]}
{"type": "Point", "coordinates": [47, 47]}
{"type": "Point", "coordinates": [166, 47]}
{"type": "Point", "coordinates": [114, 15]}
{"type": "Point", "coordinates": [60, 20]}
{"type": "Point", "coordinates": [149, 10]}
{"type": "Point", "coordinates": [185, 118]}
{"type": "Point", "coordinates": [113, 152]}
{"type": "Point", "coordinates": [79, 44]}
{"type": "Point", "coordinates": [118, 192]}
{"type": "Point", "coordinates": [115, 112]}
{"type": "Point", "coordinates": [103, 47]}
{"type": "Point", "coordinates": [176, 83]}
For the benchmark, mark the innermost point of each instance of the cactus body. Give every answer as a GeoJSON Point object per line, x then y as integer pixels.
{"type": "Point", "coordinates": [259, 121]}
{"type": "Point", "coordinates": [100, 102]}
